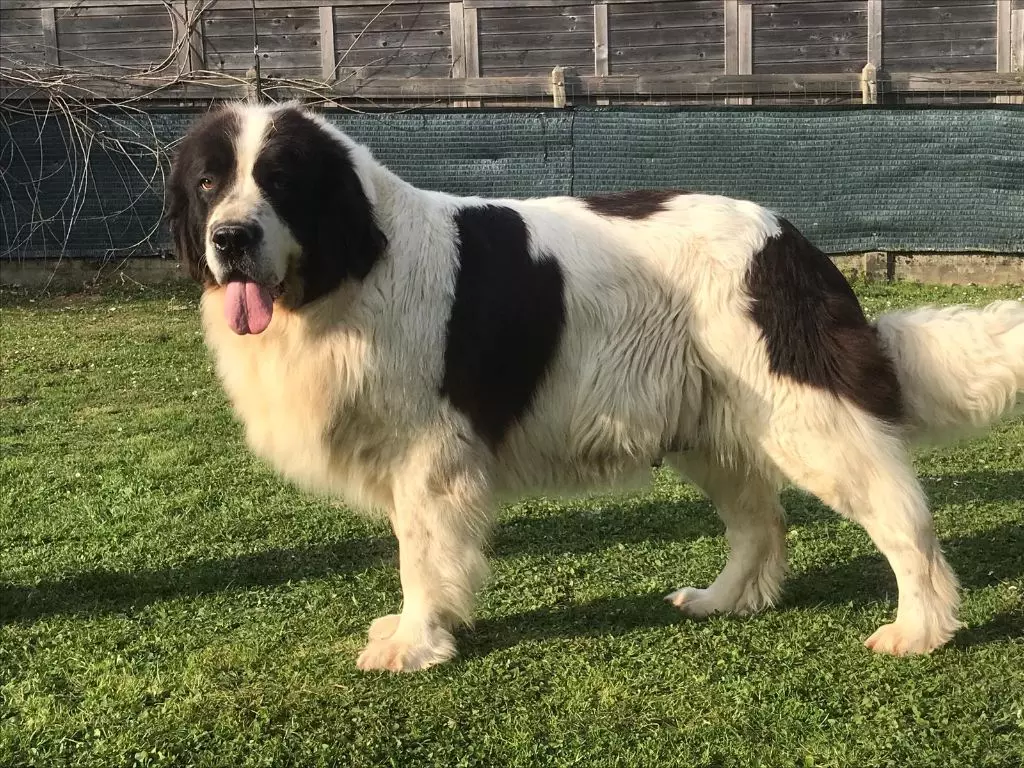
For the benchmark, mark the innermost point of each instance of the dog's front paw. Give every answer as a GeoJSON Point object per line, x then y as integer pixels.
{"type": "Point", "coordinates": [398, 653]}
{"type": "Point", "coordinates": [384, 627]}
{"type": "Point", "coordinates": [904, 639]}
{"type": "Point", "coordinates": [696, 603]}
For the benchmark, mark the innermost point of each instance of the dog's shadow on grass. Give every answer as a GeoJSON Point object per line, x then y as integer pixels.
{"type": "Point", "coordinates": [863, 580]}
{"type": "Point", "coordinates": [103, 591]}
{"type": "Point", "coordinates": [980, 559]}
{"type": "Point", "coordinates": [609, 616]}
{"type": "Point", "coordinates": [107, 591]}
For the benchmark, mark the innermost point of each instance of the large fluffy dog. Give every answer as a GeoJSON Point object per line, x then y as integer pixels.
{"type": "Point", "coordinates": [421, 355]}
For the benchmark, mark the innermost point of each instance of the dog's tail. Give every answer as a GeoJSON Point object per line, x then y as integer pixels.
{"type": "Point", "coordinates": [959, 368]}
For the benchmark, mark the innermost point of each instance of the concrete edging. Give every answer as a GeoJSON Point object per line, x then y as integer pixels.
{"type": "Point", "coordinates": [935, 268]}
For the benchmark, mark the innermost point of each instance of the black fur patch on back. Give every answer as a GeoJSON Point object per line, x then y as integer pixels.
{"type": "Point", "coordinates": [814, 328]}
{"type": "Point", "coordinates": [309, 178]}
{"type": "Point", "coordinates": [208, 151]}
{"type": "Point", "coordinates": [505, 324]}
{"type": "Point", "coordinates": [637, 204]}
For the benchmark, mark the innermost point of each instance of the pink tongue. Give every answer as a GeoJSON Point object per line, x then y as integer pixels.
{"type": "Point", "coordinates": [248, 307]}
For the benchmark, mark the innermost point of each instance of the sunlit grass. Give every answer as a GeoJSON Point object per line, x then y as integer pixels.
{"type": "Point", "coordinates": [166, 601]}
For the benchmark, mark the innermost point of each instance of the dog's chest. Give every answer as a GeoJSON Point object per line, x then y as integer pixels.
{"type": "Point", "coordinates": [292, 393]}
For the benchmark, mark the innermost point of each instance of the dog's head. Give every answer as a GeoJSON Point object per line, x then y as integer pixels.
{"type": "Point", "coordinates": [270, 203]}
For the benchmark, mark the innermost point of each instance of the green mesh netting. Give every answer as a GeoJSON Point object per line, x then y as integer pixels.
{"type": "Point", "coordinates": [895, 179]}
{"type": "Point", "coordinates": [887, 179]}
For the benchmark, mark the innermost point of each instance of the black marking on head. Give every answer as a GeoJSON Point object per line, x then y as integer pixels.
{"type": "Point", "coordinates": [207, 152]}
{"type": "Point", "coordinates": [309, 179]}
{"type": "Point", "coordinates": [506, 321]}
{"type": "Point", "coordinates": [814, 328]}
{"type": "Point", "coordinates": [637, 204]}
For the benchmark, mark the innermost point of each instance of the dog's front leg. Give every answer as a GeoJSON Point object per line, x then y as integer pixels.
{"type": "Point", "coordinates": [441, 520]}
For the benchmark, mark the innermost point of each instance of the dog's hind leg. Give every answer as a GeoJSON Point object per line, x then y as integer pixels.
{"type": "Point", "coordinates": [440, 517]}
{"type": "Point", "coordinates": [859, 466]}
{"type": "Point", "coordinates": [755, 529]}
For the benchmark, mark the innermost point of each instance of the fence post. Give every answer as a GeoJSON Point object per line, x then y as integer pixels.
{"type": "Point", "coordinates": [1017, 41]}
{"type": "Point", "coordinates": [601, 43]}
{"type": "Point", "coordinates": [869, 84]}
{"type": "Point", "coordinates": [182, 41]}
{"type": "Point", "coordinates": [328, 64]}
{"type": "Point", "coordinates": [745, 44]}
{"type": "Point", "coordinates": [875, 33]}
{"type": "Point", "coordinates": [252, 86]}
{"type": "Point", "coordinates": [869, 75]}
{"type": "Point", "coordinates": [558, 87]}
{"type": "Point", "coordinates": [739, 43]}
{"type": "Point", "coordinates": [472, 49]}
{"type": "Point", "coordinates": [1009, 39]}
{"type": "Point", "coordinates": [1004, 9]}
{"type": "Point", "coordinates": [51, 49]}
{"type": "Point", "coordinates": [457, 18]}
{"type": "Point", "coordinates": [188, 36]}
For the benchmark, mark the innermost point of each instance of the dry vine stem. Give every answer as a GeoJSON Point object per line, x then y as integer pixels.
{"type": "Point", "coordinates": [89, 122]}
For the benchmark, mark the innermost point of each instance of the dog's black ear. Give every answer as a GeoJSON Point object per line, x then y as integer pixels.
{"type": "Point", "coordinates": [356, 229]}
{"type": "Point", "coordinates": [186, 224]}
{"type": "Point", "coordinates": [345, 241]}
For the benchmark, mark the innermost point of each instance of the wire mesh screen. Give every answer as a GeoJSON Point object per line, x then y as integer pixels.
{"type": "Point", "coordinates": [851, 179]}
{"type": "Point", "coordinates": [86, 183]}
{"type": "Point", "coordinates": [91, 184]}
{"type": "Point", "coordinates": [491, 154]}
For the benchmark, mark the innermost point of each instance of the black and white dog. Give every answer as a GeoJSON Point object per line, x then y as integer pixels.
{"type": "Point", "coordinates": [421, 355]}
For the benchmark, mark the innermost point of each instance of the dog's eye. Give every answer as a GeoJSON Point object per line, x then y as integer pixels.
{"type": "Point", "coordinates": [206, 183]}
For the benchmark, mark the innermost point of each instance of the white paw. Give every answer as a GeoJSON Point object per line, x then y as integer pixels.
{"type": "Point", "coordinates": [898, 639]}
{"type": "Point", "coordinates": [399, 654]}
{"type": "Point", "coordinates": [384, 627]}
{"type": "Point", "coordinates": [695, 603]}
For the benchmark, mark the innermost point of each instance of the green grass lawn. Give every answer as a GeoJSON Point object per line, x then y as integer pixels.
{"type": "Point", "coordinates": [164, 600]}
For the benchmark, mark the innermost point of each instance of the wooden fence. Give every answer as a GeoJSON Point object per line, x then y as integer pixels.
{"type": "Point", "coordinates": [482, 52]}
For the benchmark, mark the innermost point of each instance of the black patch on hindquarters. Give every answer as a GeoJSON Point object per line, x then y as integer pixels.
{"type": "Point", "coordinates": [636, 204]}
{"type": "Point", "coordinates": [506, 321]}
{"type": "Point", "coordinates": [814, 328]}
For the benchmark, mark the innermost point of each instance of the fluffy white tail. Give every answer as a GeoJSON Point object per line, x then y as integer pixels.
{"type": "Point", "coordinates": [960, 368]}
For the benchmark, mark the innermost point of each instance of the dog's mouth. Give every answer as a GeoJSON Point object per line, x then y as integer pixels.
{"type": "Point", "coordinates": [248, 304]}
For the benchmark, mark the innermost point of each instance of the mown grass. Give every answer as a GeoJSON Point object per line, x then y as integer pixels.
{"type": "Point", "coordinates": [164, 600]}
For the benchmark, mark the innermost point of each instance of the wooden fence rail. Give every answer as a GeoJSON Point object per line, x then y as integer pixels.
{"type": "Point", "coordinates": [508, 51]}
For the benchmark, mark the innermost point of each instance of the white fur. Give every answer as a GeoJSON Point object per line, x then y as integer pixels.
{"type": "Point", "coordinates": [959, 368]}
{"type": "Point", "coordinates": [659, 358]}
{"type": "Point", "coordinates": [245, 202]}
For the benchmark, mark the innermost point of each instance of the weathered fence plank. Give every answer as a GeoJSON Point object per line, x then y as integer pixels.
{"type": "Point", "coordinates": [822, 37]}
{"type": "Point", "coordinates": [657, 38]}
{"type": "Point", "coordinates": [535, 39]}
{"type": "Point", "coordinates": [941, 35]}
{"type": "Point", "coordinates": [641, 17]}
{"type": "Point", "coordinates": [21, 23]}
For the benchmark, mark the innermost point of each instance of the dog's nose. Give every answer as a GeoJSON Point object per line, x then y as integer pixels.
{"type": "Point", "coordinates": [235, 239]}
